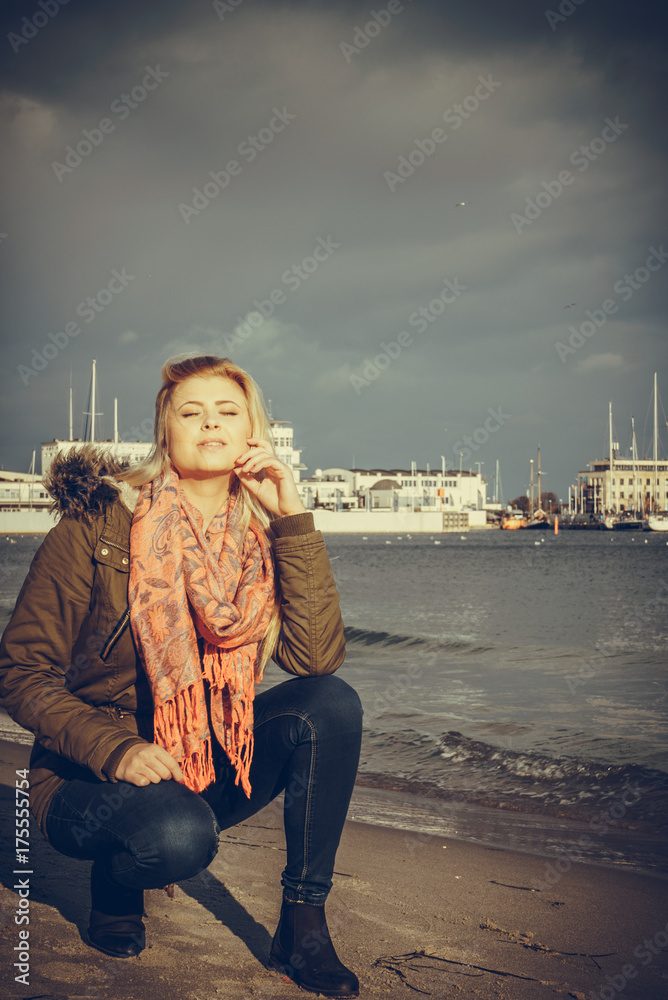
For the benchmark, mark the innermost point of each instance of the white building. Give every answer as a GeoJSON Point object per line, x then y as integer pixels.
{"type": "Point", "coordinates": [394, 490]}
{"type": "Point", "coordinates": [21, 489]}
{"type": "Point", "coordinates": [282, 435]}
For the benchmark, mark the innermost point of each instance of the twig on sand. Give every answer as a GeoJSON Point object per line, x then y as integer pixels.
{"type": "Point", "coordinates": [392, 963]}
{"type": "Point", "coordinates": [525, 940]}
{"type": "Point", "coordinates": [526, 888]}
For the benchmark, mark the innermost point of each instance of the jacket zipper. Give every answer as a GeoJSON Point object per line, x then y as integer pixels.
{"type": "Point", "coordinates": [116, 633]}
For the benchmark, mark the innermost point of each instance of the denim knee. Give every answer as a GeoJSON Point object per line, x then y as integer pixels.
{"type": "Point", "coordinates": [333, 706]}
{"type": "Point", "coordinates": [180, 842]}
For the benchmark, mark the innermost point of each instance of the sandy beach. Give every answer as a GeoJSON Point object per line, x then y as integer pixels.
{"type": "Point", "coordinates": [414, 915]}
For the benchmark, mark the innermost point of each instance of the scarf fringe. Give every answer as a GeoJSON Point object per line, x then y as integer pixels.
{"type": "Point", "coordinates": [173, 724]}
{"type": "Point", "coordinates": [238, 740]}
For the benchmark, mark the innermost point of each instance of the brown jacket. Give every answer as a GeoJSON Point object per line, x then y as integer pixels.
{"type": "Point", "coordinates": [69, 670]}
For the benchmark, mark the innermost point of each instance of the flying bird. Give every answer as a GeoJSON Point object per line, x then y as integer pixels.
{"type": "Point", "coordinates": [570, 306]}
{"type": "Point", "coordinates": [460, 204]}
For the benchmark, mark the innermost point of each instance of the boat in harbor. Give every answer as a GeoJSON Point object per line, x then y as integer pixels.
{"type": "Point", "coordinates": [539, 520]}
{"type": "Point", "coordinates": [513, 520]}
{"type": "Point", "coordinates": [658, 521]}
{"type": "Point", "coordinates": [620, 523]}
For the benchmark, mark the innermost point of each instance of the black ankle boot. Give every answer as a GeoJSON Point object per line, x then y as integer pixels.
{"type": "Point", "coordinates": [115, 926]}
{"type": "Point", "coordinates": [302, 949]}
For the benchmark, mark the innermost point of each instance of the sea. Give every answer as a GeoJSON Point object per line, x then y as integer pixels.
{"type": "Point", "coordinates": [513, 685]}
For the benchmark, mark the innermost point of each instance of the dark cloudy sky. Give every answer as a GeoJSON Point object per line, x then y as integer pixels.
{"type": "Point", "coordinates": [328, 178]}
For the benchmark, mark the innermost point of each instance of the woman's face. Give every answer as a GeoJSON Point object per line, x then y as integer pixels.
{"type": "Point", "coordinates": [207, 426]}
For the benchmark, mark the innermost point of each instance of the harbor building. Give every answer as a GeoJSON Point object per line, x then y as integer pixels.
{"type": "Point", "coordinates": [640, 486]}
{"type": "Point", "coordinates": [283, 438]}
{"type": "Point", "coordinates": [394, 490]}
{"type": "Point", "coordinates": [616, 485]}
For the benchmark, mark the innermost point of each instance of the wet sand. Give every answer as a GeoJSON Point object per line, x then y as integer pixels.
{"type": "Point", "coordinates": [408, 913]}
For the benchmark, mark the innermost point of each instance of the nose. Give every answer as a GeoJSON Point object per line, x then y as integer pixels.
{"type": "Point", "coordinates": [210, 420]}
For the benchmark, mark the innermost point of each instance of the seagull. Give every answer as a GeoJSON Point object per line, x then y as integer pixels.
{"type": "Point", "coordinates": [460, 204]}
{"type": "Point", "coordinates": [571, 305]}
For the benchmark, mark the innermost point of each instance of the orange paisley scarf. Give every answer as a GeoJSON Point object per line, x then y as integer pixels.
{"type": "Point", "coordinates": [185, 584]}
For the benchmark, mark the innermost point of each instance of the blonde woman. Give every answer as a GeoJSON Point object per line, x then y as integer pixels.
{"type": "Point", "coordinates": [161, 594]}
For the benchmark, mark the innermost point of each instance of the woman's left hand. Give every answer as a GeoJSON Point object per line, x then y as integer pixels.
{"type": "Point", "coordinates": [276, 489]}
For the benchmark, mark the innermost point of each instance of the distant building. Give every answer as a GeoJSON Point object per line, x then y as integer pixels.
{"type": "Point", "coordinates": [615, 484]}
{"type": "Point", "coordinates": [639, 486]}
{"type": "Point", "coordinates": [282, 434]}
{"type": "Point", "coordinates": [21, 489]}
{"type": "Point", "coordinates": [394, 489]}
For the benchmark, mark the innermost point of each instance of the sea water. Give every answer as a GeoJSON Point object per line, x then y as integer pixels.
{"type": "Point", "coordinates": [513, 684]}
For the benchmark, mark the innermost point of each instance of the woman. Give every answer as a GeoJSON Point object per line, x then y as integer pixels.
{"type": "Point", "coordinates": [161, 594]}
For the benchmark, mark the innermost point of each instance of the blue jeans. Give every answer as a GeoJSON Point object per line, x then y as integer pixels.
{"type": "Point", "coordinates": [307, 743]}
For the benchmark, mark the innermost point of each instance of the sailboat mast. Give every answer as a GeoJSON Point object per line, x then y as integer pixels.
{"type": "Point", "coordinates": [32, 479]}
{"type": "Point", "coordinates": [540, 495]}
{"type": "Point", "coordinates": [634, 457]}
{"type": "Point", "coordinates": [531, 491]}
{"type": "Point", "coordinates": [92, 403]}
{"type": "Point", "coordinates": [609, 498]}
{"type": "Point", "coordinates": [655, 449]}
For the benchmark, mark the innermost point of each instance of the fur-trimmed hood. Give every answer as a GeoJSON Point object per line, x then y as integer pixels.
{"type": "Point", "coordinates": [82, 483]}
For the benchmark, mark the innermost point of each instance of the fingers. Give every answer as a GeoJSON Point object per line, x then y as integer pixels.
{"type": "Point", "coordinates": [258, 447]}
{"type": "Point", "coordinates": [166, 766]}
{"type": "Point", "coordinates": [255, 461]}
{"type": "Point", "coordinates": [146, 764]}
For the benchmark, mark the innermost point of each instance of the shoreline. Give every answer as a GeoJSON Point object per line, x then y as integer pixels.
{"type": "Point", "coordinates": [407, 912]}
{"type": "Point", "coordinates": [545, 836]}
{"type": "Point", "coordinates": [536, 835]}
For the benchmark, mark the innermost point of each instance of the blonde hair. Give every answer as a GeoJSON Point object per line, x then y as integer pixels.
{"type": "Point", "coordinates": [174, 371]}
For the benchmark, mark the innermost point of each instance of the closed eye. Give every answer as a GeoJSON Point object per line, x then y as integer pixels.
{"type": "Point", "coordinates": [224, 413]}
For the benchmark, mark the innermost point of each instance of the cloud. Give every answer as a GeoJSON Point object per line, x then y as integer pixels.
{"type": "Point", "coordinates": [197, 284]}
{"type": "Point", "coordinates": [599, 362]}
{"type": "Point", "coordinates": [255, 335]}
{"type": "Point", "coordinates": [335, 381]}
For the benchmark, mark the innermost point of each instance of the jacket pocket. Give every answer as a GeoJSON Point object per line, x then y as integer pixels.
{"type": "Point", "coordinates": [112, 554]}
{"type": "Point", "coordinates": [117, 631]}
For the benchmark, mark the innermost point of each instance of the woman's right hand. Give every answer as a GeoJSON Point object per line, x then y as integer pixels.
{"type": "Point", "coordinates": [147, 762]}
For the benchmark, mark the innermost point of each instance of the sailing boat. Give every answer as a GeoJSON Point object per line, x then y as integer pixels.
{"type": "Point", "coordinates": [626, 521]}
{"type": "Point", "coordinates": [537, 517]}
{"type": "Point", "coordinates": [657, 520]}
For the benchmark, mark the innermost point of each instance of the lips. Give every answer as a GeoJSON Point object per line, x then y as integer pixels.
{"type": "Point", "coordinates": [212, 443]}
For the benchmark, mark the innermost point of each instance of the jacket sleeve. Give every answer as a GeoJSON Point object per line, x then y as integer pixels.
{"type": "Point", "coordinates": [36, 650]}
{"type": "Point", "coordinates": [311, 640]}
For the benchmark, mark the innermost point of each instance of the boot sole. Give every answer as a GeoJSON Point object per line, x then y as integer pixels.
{"type": "Point", "coordinates": [107, 951]}
{"type": "Point", "coordinates": [277, 966]}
